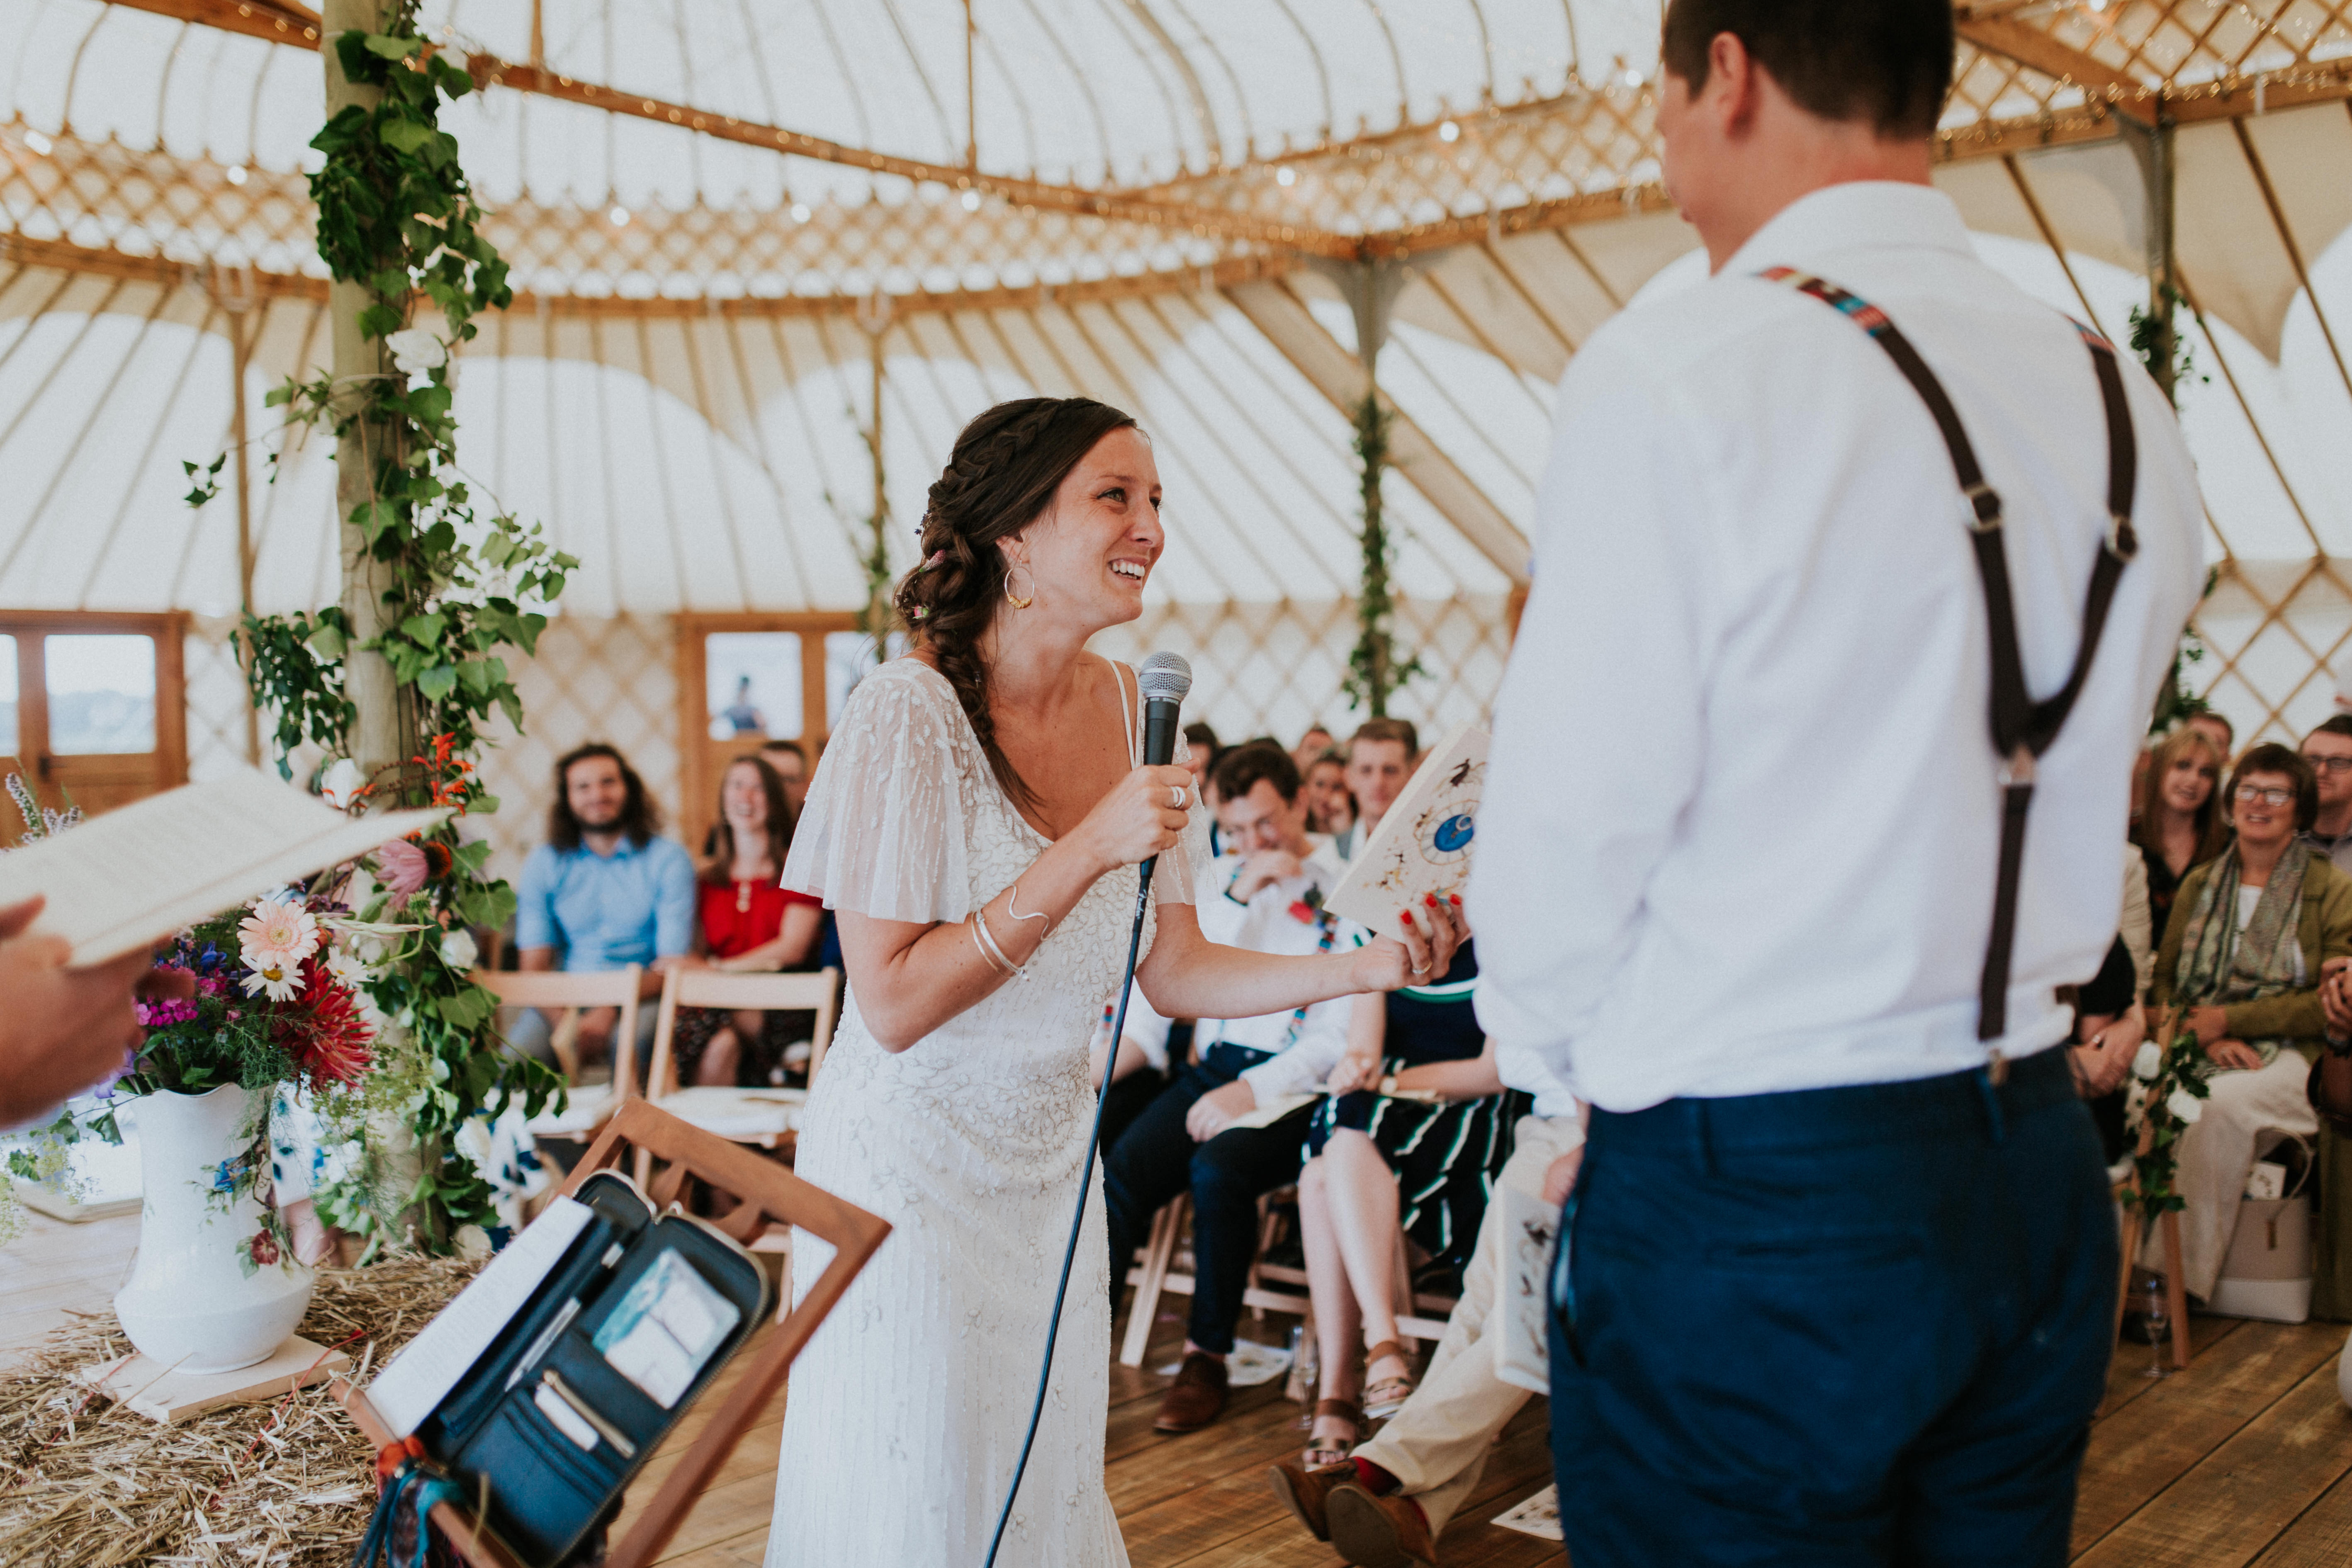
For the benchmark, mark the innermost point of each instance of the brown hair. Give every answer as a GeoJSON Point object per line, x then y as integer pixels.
{"type": "Point", "coordinates": [2270, 757]}
{"type": "Point", "coordinates": [1888, 62]}
{"type": "Point", "coordinates": [640, 817]}
{"type": "Point", "coordinates": [1240, 769]}
{"type": "Point", "coordinates": [1001, 478]}
{"type": "Point", "coordinates": [1398, 729]}
{"type": "Point", "coordinates": [718, 849]}
{"type": "Point", "coordinates": [2212, 829]}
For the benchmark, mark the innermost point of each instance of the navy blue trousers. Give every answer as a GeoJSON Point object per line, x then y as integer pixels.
{"type": "Point", "coordinates": [1866, 1325]}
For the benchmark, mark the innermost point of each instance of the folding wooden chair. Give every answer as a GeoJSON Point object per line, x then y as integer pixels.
{"type": "Point", "coordinates": [765, 1117]}
{"type": "Point", "coordinates": [767, 1193]}
{"type": "Point", "coordinates": [589, 1105]}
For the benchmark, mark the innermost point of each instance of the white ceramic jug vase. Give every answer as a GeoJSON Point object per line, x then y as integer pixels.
{"type": "Point", "coordinates": [190, 1304]}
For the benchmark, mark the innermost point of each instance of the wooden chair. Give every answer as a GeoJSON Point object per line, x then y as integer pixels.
{"type": "Point", "coordinates": [766, 1192]}
{"type": "Point", "coordinates": [590, 1106]}
{"type": "Point", "coordinates": [765, 1117]}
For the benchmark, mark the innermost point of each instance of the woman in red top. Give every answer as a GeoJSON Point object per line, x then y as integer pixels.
{"type": "Point", "coordinates": [748, 923]}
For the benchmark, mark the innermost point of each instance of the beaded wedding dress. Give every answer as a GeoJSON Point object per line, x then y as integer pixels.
{"type": "Point", "coordinates": [905, 1414]}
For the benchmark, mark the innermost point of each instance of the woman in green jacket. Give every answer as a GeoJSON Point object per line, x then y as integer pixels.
{"type": "Point", "coordinates": [2241, 957]}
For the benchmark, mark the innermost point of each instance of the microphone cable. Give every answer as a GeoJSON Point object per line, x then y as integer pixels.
{"type": "Point", "coordinates": [1078, 1220]}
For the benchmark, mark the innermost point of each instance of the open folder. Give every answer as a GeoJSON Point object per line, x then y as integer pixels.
{"type": "Point", "coordinates": [132, 876]}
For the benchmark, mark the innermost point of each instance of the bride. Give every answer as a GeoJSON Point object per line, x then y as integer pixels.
{"type": "Point", "coordinates": [975, 825]}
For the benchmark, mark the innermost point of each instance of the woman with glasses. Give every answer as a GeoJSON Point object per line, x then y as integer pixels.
{"type": "Point", "coordinates": [2239, 968]}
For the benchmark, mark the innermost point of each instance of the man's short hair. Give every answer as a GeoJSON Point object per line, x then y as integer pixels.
{"type": "Point", "coordinates": [1239, 770]}
{"type": "Point", "coordinates": [2273, 758]}
{"type": "Point", "coordinates": [1888, 62]}
{"type": "Point", "coordinates": [794, 747]}
{"type": "Point", "coordinates": [640, 817]}
{"type": "Point", "coordinates": [2339, 724]}
{"type": "Point", "coordinates": [1398, 729]}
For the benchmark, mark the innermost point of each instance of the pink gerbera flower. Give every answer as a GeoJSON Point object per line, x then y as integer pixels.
{"type": "Point", "coordinates": [273, 941]}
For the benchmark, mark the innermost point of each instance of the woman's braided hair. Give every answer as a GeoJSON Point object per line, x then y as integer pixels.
{"type": "Point", "coordinates": [1002, 477]}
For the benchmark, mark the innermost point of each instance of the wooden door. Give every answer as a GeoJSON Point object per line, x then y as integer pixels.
{"type": "Point", "coordinates": [790, 695]}
{"type": "Point", "coordinates": [93, 708]}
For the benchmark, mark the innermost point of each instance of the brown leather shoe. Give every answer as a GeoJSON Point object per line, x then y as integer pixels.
{"type": "Point", "coordinates": [1379, 1531]}
{"type": "Point", "coordinates": [1196, 1399]}
{"type": "Point", "coordinates": [1306, 1490]}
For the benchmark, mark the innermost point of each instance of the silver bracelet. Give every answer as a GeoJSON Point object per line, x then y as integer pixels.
{"type": "Point", "coordinates": [973, 927]}
{"type": "Point", "coordinates": [1013, 908]}
{"type": "Point", "coordinates": [988, 941]}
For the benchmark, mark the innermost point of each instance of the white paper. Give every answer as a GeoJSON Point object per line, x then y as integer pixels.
{"type": "Point", "coordinates": [666, 1329]}
{"type": "Point", "coordinates": [1521, 1320]}
{"type": "Point", "coordinates": [431, 1365]}
{"type": "Point", "coordinates": [1538, 1516]}
{"type": "Point", "coordinates": [1422, 844]}
{"type": "Point", "coordinates": [1248, 1365]}
{"type": "Point", "coordinates": [1272, 1111]}
{"type": "Point", "coordinates": [134, 876]}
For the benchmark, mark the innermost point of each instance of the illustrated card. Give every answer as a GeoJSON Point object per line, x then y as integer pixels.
{"type": "Point", "coordinates": [1422, 844]}
{"type": "Point", "coordinates": [666, 1329]}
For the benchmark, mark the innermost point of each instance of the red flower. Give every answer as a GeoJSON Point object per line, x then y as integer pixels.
{"type": "Point", "coordinates": [321, 1029]}
{"type": "Point", "coordinates": [264, 1247]}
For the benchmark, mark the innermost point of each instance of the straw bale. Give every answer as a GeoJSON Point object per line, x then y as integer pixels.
{"type": "Point", "coordinates": [86, 1481]}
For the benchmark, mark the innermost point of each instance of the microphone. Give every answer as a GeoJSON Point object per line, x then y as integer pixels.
{"type": "Point", "coordinates": [1163, 678]}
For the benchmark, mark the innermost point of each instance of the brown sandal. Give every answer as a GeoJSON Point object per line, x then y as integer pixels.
{"type": "Point", "coordinates": [1320, 1451]}
{"type": "Point", "coordinates": [1384, 1399]}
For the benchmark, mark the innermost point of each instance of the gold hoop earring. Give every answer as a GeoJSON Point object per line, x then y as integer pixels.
{"type": "Point", "coordinates": [1014, 599]}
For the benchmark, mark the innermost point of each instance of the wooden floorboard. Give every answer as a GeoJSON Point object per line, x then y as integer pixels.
{"type": "Point", "coordinates": [2242, 1461]}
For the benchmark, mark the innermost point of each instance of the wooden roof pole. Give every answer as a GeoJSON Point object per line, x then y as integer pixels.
{"type": "Point", "coordinates": [379, 735]}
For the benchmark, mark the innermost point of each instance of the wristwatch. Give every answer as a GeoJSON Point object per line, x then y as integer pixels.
{"type": "Point", "coordinates": [1388, 1086]}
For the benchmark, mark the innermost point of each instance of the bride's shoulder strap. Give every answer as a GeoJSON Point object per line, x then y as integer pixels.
{"type": "Point", "coordinates": [883, 832]}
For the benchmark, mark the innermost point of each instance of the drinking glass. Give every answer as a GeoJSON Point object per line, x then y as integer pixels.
{"type": "Point", "coordinates": [2159, 1324]}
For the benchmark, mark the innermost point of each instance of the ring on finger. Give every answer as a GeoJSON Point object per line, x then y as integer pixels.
{"type": "Point", "coordinates": [1176, 796]}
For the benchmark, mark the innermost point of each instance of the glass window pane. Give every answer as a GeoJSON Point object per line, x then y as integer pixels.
{"type": "Point", "coordinates": [9, 742]}
{"type": "Point", "coordinates": [102, 694]}
{"type": "Point", "coordinates": [752, 684]}
{"type": "Point", "coordinates": [848, 658]}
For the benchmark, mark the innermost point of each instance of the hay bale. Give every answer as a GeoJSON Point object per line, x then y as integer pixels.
{"type": "Point", "coordinates": [84, 1481]}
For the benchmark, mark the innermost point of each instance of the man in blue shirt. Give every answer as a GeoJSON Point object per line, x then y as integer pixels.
{"type": "Point", "coordinates": [604, 892]}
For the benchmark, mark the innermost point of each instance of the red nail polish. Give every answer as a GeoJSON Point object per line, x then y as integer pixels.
{"type": "Point", "coordinates": [1456, 899]}
{"type": "Point", "coordinates": [1405, 915]}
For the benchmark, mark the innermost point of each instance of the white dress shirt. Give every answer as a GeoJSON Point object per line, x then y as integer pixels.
{"type": "Point", "coordinates": [1268, 923]}
{"type": "Point", "coordinates": [1741, 825]}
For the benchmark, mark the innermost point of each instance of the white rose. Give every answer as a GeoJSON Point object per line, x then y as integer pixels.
{"type": "Point", "coordinates": [457, 949]}
{"type": "Point", "coordinates": [2186, 1108]}
{"type": "Point", "coordinates": [340, 786]}
{"type": "Point", "coordinates": [417, 349]}
{"type": "Point", "coordinates": [2147, 1062]}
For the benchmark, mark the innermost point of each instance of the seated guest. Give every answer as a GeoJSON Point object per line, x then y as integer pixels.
{"type": "Point", "coordinates": [2328, 750]}
{"type": "Point", "coordinates": [747, 925]}
{"type": "Point", "coordinates": [1311, 745]}
{"type": "Point", "coordinates": [1330, 809]}
{"type": "Point", "coordinates": [1379, 1156]}
{"type": "Point", "coordinates": [2180, 822]}
{"type": "Point", "coordinates": [1202, 751]}
{"type": "Point", "coordinates": [791, 761]}
{"type": "Point", "coordinates": [1266, 896]}
{"type": "Point", "coordinates": [603, 892]}
{"type": "Point", "coordinates": [1407, 1482]}
{"type": "Point", "coordinates": [2243, 957]}
{"type": "Point", "coordinates": [1381, 755]}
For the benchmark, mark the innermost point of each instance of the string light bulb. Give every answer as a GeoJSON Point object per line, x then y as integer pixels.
{"type": "Point", "coordinates": [236, 173]}
{"type": "Point", "coordinates": [1285, 175]}
{"type": "Point", "coordinates": [620, 217]}
{"type": "Point", "coordinates": [1448, 132]}
{"type": "Point", "coordinates": [800, 212]}
{"type": "Point", "coordinates": [972, 201]}
{"type": "Point", "coordinates": [40, 143]}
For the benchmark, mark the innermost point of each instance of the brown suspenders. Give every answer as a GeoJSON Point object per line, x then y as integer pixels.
{"type": "Point", "coordinates": [2022, 728]}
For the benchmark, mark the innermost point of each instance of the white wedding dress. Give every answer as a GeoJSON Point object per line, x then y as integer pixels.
{"type": "Point", "coordinates": [906, 1411]}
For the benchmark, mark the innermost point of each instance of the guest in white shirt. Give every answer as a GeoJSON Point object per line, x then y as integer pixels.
{"type": "Point", "coordinates": [1840, 1267]}
{"type": "Point", "coordinates": [1381, 755]}
{"type": "Point", "coordinates": [1266, 897]}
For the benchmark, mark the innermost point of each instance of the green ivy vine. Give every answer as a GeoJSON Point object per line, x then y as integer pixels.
{"type": "Point", "coordinates": [1375, 670]}
{"type": "Point", "coordinates": [396, 215]}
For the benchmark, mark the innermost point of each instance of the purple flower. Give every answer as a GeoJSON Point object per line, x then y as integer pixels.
{"type": "Point", "coordinates": [164, 1012]}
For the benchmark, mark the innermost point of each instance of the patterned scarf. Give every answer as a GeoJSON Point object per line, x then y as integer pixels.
{"type": "Point", "coordinates": [2219, 966]}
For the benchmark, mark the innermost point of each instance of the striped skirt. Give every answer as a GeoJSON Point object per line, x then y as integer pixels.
{"type": "Point", "coordinates": [1445, 1157]}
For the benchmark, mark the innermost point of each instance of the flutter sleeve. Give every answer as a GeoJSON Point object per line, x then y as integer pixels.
{"type": "Point", "coordinates": [882, 833]}
{"type": "Point", "coordinates": [1180, 869]}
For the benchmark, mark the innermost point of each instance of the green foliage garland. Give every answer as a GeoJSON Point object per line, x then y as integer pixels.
{"type": "Point", "coordinates": [1375, 670]}
{"type": "Point", "coordinates": [397, 216]}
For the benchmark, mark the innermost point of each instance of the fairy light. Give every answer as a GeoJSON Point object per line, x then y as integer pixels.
{"type": "Point", "coordinates": [1448, 132]}
{"type": "Point", "coordinates": [971, 201]}
{"type": "Point", "coordinates": [236, 174]}
{"type": "Point", "coordinates": [620, 217]}
{"type": "Point", "coordinates": [40, 143]}
{"type": "Point", "coordinates": [800, 212]}
{"type": "Point", "coordinates": [1285, 175]}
